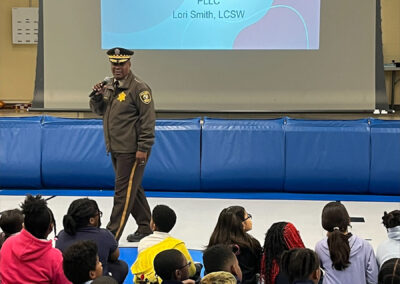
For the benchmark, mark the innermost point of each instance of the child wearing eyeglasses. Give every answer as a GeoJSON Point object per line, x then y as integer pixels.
{"type": "Point", "coordinates": [172, 267]}
{"type": "Point", "coordinates": [83, 222]}
{"type": "Point", "coordinates": [232, 229]}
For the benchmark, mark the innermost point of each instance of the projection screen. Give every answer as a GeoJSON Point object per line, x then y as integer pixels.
{"type": "Point", "coordinates": [334, 72]}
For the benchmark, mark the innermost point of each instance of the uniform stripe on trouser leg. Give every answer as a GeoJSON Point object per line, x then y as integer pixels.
{"type": "Point", "coordinates": [127, 199]}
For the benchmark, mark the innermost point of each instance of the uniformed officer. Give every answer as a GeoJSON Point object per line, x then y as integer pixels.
{"type": "Point", "coordinates": [127, 107]}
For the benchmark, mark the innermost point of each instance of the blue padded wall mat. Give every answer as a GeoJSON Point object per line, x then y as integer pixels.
{"type": "Point", "coordinates": [242, 155]}
{"type": "Point", "coordinates": [174, 163]}
{"type": "Point", "coordinates": [20, 142]}
{"type": "Point", "coordinates": [385, 157]}
{"type": "Point", "coordinates": [327, 156]}
{"type": "Point", "coordinates": [74, 154]}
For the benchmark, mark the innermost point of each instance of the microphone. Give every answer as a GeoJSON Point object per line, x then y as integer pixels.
{"type": "Point", "coordinates": [105, 82]}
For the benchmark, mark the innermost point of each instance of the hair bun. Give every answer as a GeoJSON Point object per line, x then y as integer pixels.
{"type": "Point", "coordinates": [391, 219]}
{"type": "Point", "coordinates": [69, 224]}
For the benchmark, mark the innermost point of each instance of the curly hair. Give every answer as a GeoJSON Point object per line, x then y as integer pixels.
{"type": "Point", "coordinates": [38, 218]}
{"type": "Point", "coordinates": [219, 277]}
{"type": "Point", "coordinates": [79, 259]}
{"type": "Point", "coordinates": [391, 219]}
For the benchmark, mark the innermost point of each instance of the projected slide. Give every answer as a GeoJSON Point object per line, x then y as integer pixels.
{"type": "Point", "coordinates": [210, 24]}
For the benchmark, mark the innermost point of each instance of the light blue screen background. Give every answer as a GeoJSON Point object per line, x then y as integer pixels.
{"type": "Point", "coordinates": [210, 24]}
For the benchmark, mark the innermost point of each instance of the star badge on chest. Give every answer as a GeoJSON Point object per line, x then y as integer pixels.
{"type": "Point", "coordinates": [121, 97]}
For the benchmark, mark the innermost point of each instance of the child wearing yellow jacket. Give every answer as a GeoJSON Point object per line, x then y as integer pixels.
{"type": "Point", "coordinates": [163, 219]}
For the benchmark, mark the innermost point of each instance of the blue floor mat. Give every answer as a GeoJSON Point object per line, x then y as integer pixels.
{"type": "Point", "coordinates": [214, 195]}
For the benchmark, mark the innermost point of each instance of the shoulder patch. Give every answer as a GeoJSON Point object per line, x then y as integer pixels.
{"type": "Point", "coordinates": [145, 97]}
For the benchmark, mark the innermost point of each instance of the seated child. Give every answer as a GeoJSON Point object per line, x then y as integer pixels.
{"type": "Point", "coordinates": [28, 257]}
{"type": "Point", "coordinates": [280, 237]}
{"type": "Point", "coordinates": [232, 228]}
{"type": "Point", "coordinates": [163, 219]}
{"type": "Point", "coordinates": [81, 262]}
{"type": "Point", "coordinates": [83, 222]}
{"type": "Point", "coordinates": [345, 258]}
{"type": "Point", "coordinates": [221, 258]}
{"type": "Point", "coordinates": [390, 248]}
{"type": "Point", "coordinates": [172, 267]}
{"type": "Point", "coordinates": [219, 277]}
{"type": "Point", "coordinates": [11, 223]}
{"type": "Point", "coordinates": [301, 266]}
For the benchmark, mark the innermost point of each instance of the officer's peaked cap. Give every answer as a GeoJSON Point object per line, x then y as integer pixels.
{"type": "Point", "coordinates": [119, 54]}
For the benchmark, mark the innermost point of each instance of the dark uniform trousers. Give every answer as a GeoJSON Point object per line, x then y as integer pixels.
{"type": "Point", "coordinates": [129, 197]}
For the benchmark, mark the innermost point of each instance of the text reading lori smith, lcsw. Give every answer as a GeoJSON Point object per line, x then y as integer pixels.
{"type": "Point", "coordinates": [210, 13]}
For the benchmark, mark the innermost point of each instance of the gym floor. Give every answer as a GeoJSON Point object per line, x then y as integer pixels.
{"type": "Point", "coordinates": [198, 213]}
